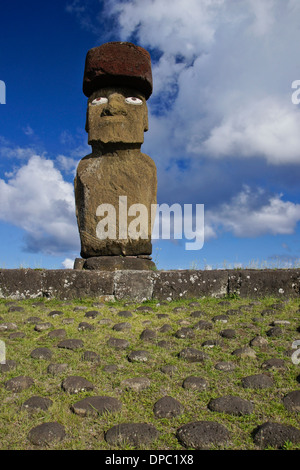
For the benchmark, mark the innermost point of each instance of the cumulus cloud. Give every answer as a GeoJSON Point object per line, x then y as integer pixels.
{"type": "Point", "coordinates": [37, 199]}
{"type": "Point", "coordinates": [224, 73]}
{"type": "Point", "coordinates": [254, 213]}
{"type": "Point", "coordinates": [268, 128]}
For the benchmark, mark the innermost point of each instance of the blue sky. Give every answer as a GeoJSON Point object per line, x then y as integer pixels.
{"type": "Point", "coordinates": [223, 130]}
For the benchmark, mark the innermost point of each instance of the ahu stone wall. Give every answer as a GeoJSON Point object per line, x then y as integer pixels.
{"type": "Point", "coordinates": [140, 286]}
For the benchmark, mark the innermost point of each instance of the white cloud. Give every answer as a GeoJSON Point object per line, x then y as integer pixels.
{"type": "Point", "coordinates": [267, 128]}
{"type": "Point", "coordinates": [253, 213]}
{"type": "Point", "coordinates": [68, 263]}
{"type": "Point", "coordinates": [38, 200]}
{"type": "Point", "coordinates": [229, 68]}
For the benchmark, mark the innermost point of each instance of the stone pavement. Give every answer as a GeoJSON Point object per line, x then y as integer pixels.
{"type": "Point", "coordinates": [205, 374]}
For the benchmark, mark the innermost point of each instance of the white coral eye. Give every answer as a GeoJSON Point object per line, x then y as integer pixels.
{"type": "Point", "coordinates": [100, 100]}
{"type": "Point", "coordinates": [133, 100]}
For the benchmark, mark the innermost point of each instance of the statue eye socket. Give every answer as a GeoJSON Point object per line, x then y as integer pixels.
{"type": "Point", "coordinates": [100, 100]}
{"type": "Point", "coordinates": [133, 100]}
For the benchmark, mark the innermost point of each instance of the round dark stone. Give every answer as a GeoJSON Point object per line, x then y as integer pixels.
{"type": "Point", "coordinates": [210, 343]}
{"type": "Point", "coordinates": [16, 308]}
{"type": "Point", "coordinates": [220, 318]}
{"type": "Point", "coordinates": [179, 309]}
{"type": "Point", "coordinates": [259, 342]}
{"type": "Point", "coordinates": [92, 314]}
{"type": "Point", "coordinates": [91, 356]}
{"type": "Point", "coordinates": [165, 328]}
{"type": "Point", "coordinates": [138, 356]}
{"type": "Point", "coordinates": [55, 313]}
{"type": "Point", "coordinates": [9, 364]}
{"type": "Point", "coordinates": [125, 313]}
{"type": "Point", "coordinates": [232, 311]}
{"type": "Point", "coordinates": [122, 326]}
{"type": "Point", "coordinates": [104, 321]}
{"type": "Point", "coordinates": [8, 326]}
{"type": "Point", "coordinates": [83, 326]}
{"type": "Point", "coordinates": [79, 308]}
{"type": "Point", "coordinates": [136, 383]}
{"type": "Point", "coordinates": [76, 384]}
{"type": "Point", "coordinates": [271, 434]}
{"type": "Point", "coordinates": [274, 363]}
{"type": "Point", "coordinates": [59, 333]}
{"type": "Point", "coordinates": [71, 344]}
{"type": "Point", "coordinates": [36, 403]}
{"type": "Point", "coordinates": [167, 407]}
{"type": "Point", "coordinates": [193, 355]}
{"type": "Point", "coordinates": [229, 333]}
{"type": "Point", "coordinates": [96, 406]}
{"type": "Point", "coordinates": [162, 315]}
{"type": "Point", "coordinates": [144, 308]}
{"type": "Point", "coordinates": [67, 321]}
{"type": "Point", "coordinates": [33, 320]}
{"type": "Point", "coordinates": [203, 325]}
{"type": "Point", "coordinates": [56, 369]}
{"type": "Point", "coordinates": [201, 435]}
{"type": "Point", "coordinates": [17, 335]}
{"type": "Point", "coordinates": [46, 434]}
{"type": "Point", "coordinates": [291, 401]}
{"type": "Point", "coordinates": [43, 326]}
{"type": "Point", "coordinates": [257, 381]}
{"type": "Point", "coordinates": [168, 369]}
{"type": "Point", "coordinates": [118, 343]}
{"type": "Point", "coordinates": [41, 353]}
{"type": "Point", "coordinates": [275, 332]}
{"type": "Point", "coordinates": [231, 405]}
{"type": "Point", "coordinates": [197, 313]}
{"type": "Point", "coordinates": [134, 434]}
{"type": "Point", "coordinates": [148, 334]}
{"type": "Point", "coordinates": [226, 366]}
{"type": "Point", "coordinates": [244, 351]}
{"type": "Point", "coordinates": [185, 332]}
{"type": "Point", "coordinates": [17, 384]}
{"type": "Point", "coordinates": [195, 383]}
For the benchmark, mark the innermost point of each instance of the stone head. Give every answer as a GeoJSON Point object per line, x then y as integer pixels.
{"type": "Point", "coordinates": [117, 82]}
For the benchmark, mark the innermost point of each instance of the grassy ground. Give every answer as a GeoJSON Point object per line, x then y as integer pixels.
{"type": "Point", "coordinates": [88, 432]}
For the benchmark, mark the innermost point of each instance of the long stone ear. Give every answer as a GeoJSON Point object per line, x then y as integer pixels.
{"type": "Point", "coordinates": [145, 120]}
{"type": "Point", "coordinates": [87, 120]}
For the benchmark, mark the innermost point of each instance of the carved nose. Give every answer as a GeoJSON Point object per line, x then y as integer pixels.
{"type": "Point", "coordinates": [113, 108]}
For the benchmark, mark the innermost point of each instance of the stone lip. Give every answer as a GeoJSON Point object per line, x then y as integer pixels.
{"type": "Point", "coordinates": [118, 64]}
{"type": "Point", "coordinates": [142, 285]}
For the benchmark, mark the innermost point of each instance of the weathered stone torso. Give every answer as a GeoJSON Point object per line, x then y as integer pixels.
{"type": "Point", "coordinates": [102, 180]}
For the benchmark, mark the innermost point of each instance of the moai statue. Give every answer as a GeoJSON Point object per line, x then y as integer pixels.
{"type": "Point", "coordinates": [115, 185]}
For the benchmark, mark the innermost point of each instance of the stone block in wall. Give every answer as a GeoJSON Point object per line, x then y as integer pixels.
{"type": "Point", "coordinates": [136, 286]}
{"type": "Point", "coordinates": [175, 285]}
{"type": "Point", "coordinates": [21, 283]}
{"type": "Point", "coordinates": [258, 283]}
{"type": "Point", "coordinates": [74, 284]}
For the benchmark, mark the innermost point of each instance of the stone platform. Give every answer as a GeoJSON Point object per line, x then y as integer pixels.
{"type": "Point", "coordinates": [115, 263]}
{"type": "Point", "coordinates": [142, 285]}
